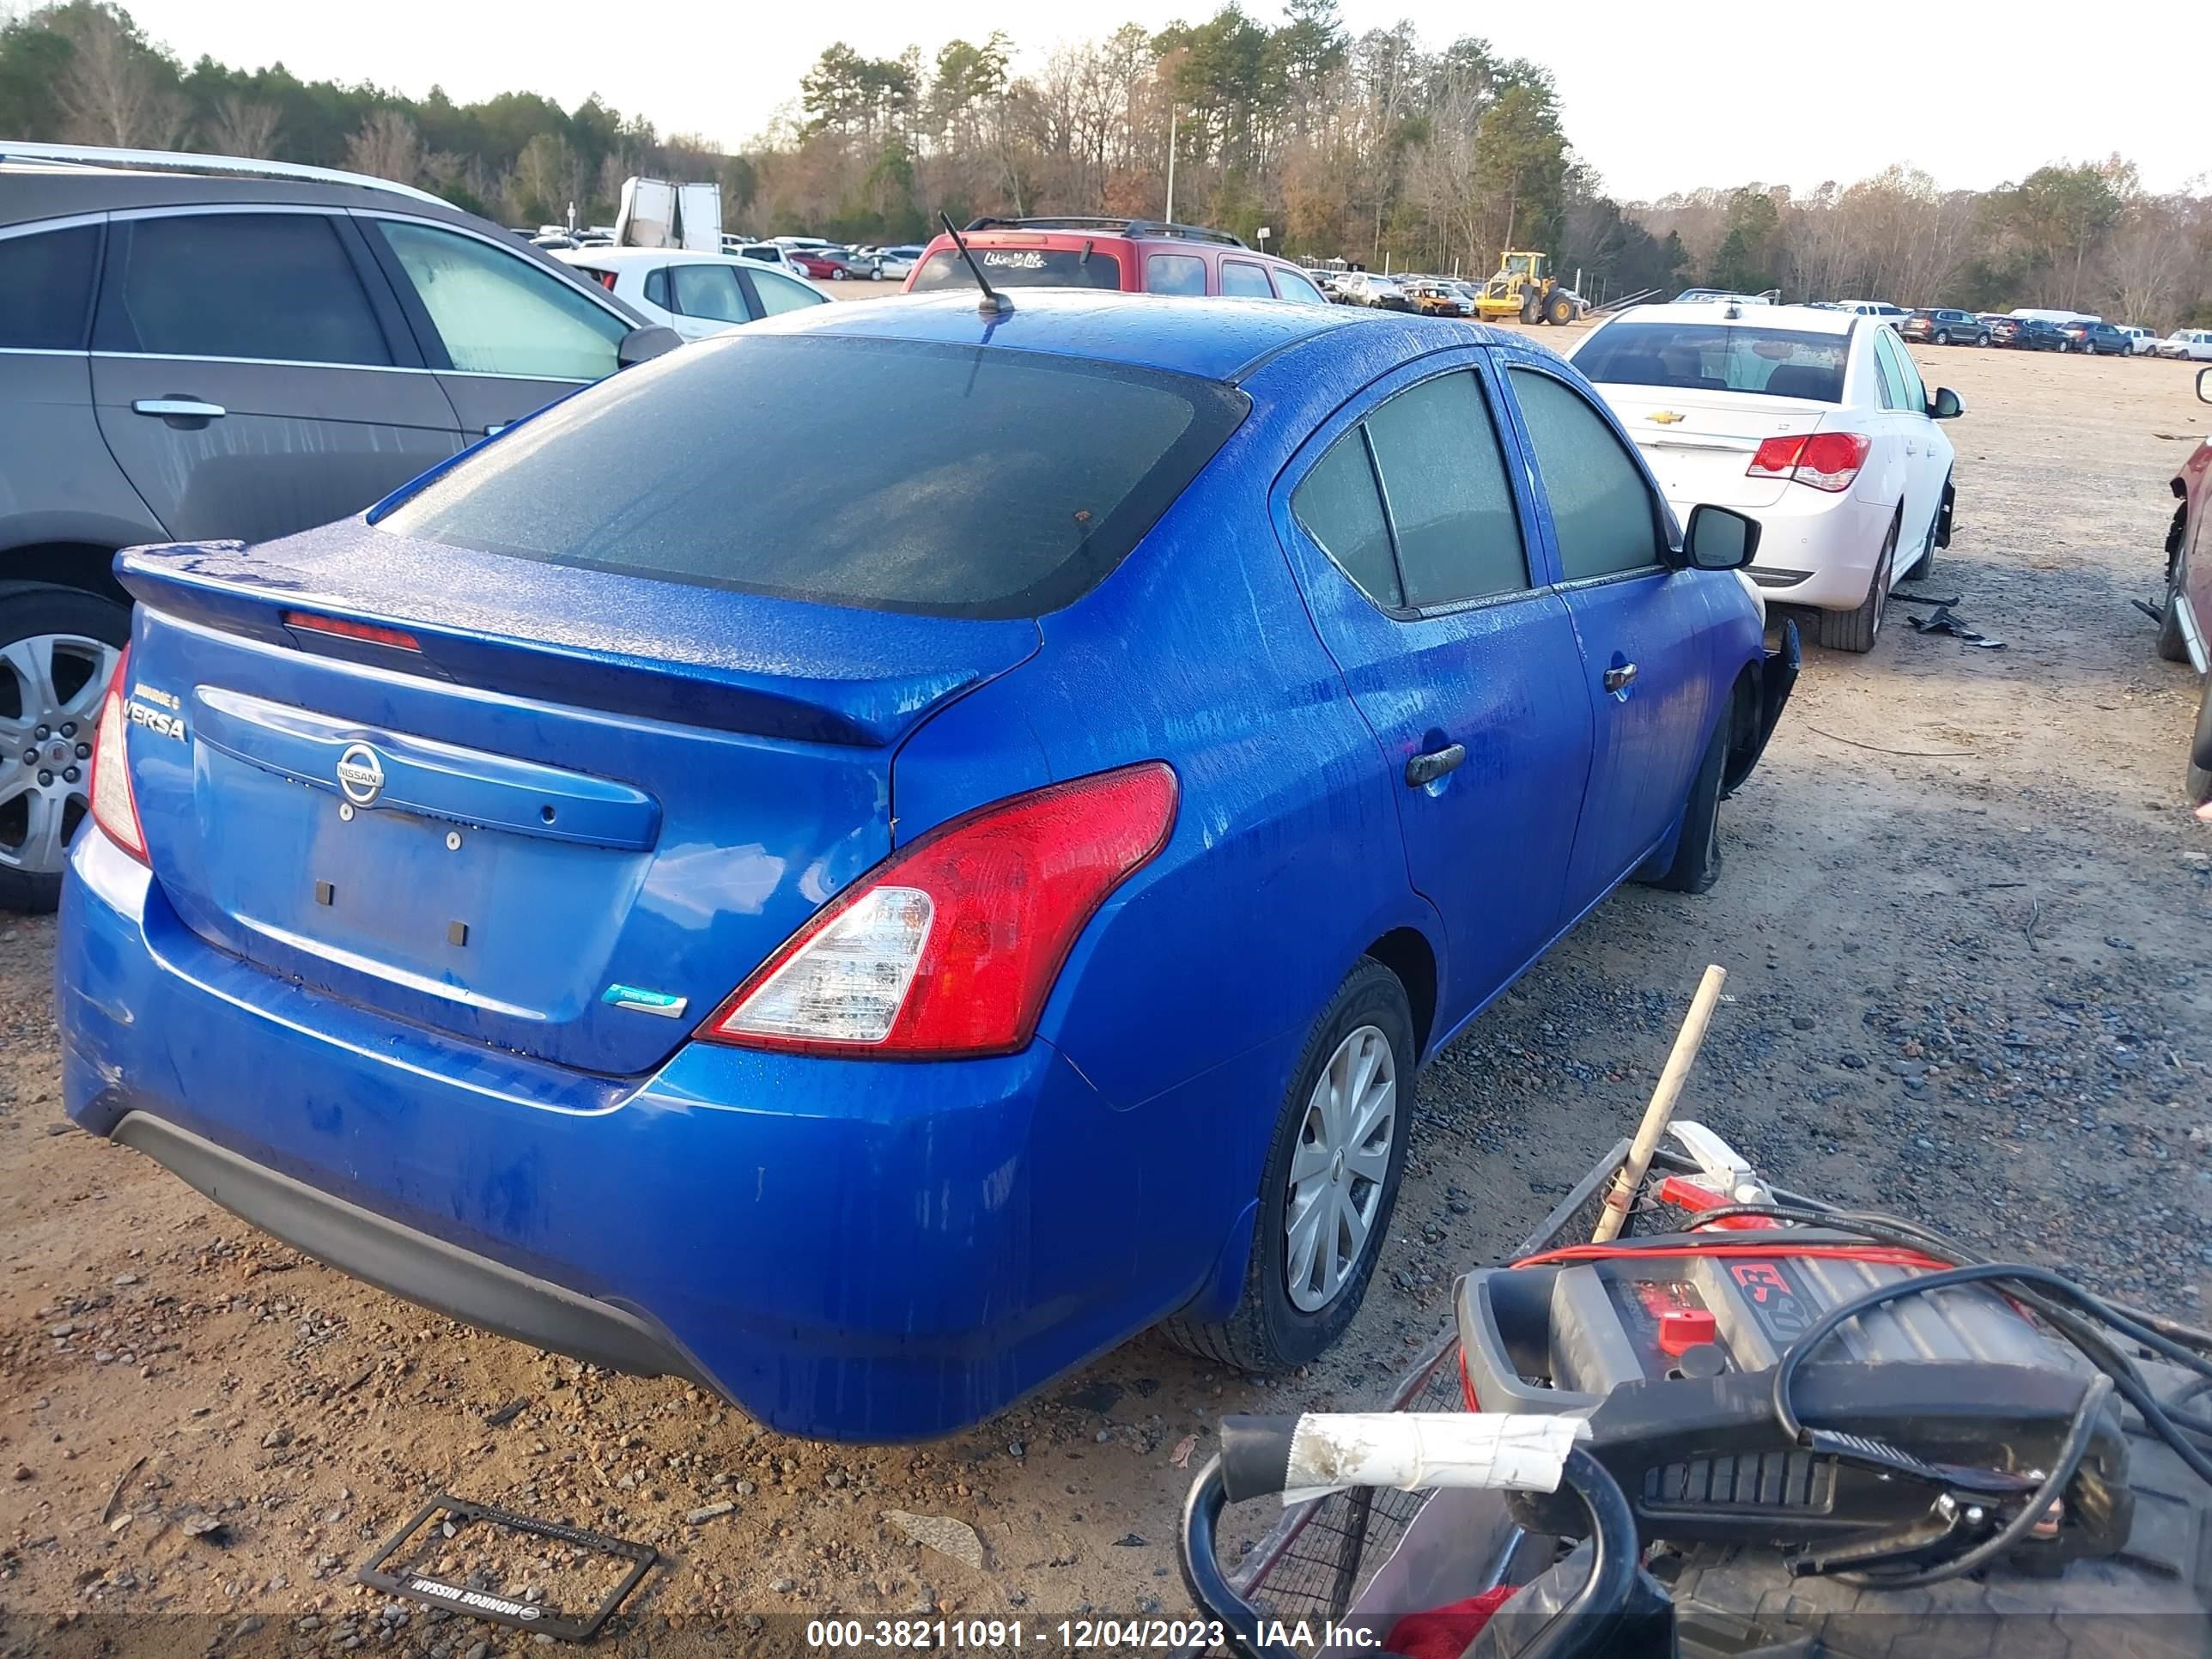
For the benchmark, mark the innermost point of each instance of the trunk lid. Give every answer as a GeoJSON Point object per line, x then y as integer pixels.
{"type": "Point", "coordinates": [568, 824]}
{"type": "Point", "coordinates": [1699, 444]}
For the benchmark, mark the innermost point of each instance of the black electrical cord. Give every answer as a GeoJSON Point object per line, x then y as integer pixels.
{"type": "Point", "coordinates": [2070, 1454]}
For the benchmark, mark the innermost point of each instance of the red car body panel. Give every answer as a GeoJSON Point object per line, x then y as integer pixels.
{"type": "Point", "coordinates": [1128, 251]}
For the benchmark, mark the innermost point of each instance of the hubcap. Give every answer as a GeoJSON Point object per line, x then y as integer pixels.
{"type": "Point", "coordinates": [50, 685]}
{"type": "Point", "coordinates": [1338, 1168]}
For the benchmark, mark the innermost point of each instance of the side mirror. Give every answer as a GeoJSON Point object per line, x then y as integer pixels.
{"type": "Point", "coordinates": [1720, 540]}
{"type": "Point", "coordinates": [2204, 385]}
{"type": "Point", "coordinates": [642, 345]}
{"type": "Point", "coordinates": [1945, 405]}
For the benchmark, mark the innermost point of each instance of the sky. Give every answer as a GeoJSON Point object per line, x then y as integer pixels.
{"type": "Point", "coordinates": [1657, 98]}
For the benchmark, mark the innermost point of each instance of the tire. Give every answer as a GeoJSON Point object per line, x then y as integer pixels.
{"type": "Point", "coordinates": [1558, 310]}
{"type": "Point", "coordinates": [1697, 862]}
{"type": "Point", "coordinates": [1982, 338]}
{"type": "Point", "coordinates": [2172, 647]}
{"type": "Point", "coordinates": [1857, 630]}
{"type": "Point", "coordinates": [2200, 750]}
{"type": "Point", "coordinates": [837, 273]}
{"type": "Point", "coordinates": [74, 637]}
{"type": "Point", "coordinates": [1531, 310]}
{"type": "Point", "coordinates": [1269, 1331]}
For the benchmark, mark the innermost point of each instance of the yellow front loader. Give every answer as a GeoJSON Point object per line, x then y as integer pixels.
{"type": "Point", "coordinates": [1525, 289]}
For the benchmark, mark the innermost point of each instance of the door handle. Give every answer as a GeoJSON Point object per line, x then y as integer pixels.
{"type": "Point", "coordinates": [179, 409]}
{"type": "Point", "coordinates": [1618, 680]}
{"type": "Point", "coordinates": [1427, 769]}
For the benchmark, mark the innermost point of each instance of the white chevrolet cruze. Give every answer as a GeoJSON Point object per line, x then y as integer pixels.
{"type": "Point", "coordinates": [1813, 422]}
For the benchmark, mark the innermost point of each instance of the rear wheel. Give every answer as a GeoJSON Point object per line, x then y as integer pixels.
{"type": "Point", "coordinates": [1857, 630]}
{"type": "Point", "coordinates": [1329, 1184]}
{"type": "Point", "coordinates": [1558, 310]}
{"type": "Point", "coordinates": [57, 651]}
{"type": "Point", "coordinates": [1982, 338]}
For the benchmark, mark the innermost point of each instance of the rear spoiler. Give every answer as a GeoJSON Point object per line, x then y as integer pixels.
{"type": "Point", "coordinates": [695, 656]}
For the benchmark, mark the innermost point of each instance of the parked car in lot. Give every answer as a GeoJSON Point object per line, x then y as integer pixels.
{"type": "Point", "coordinates": [1881, 310]}
{"type": "Point", "coordinates": [2195, 342]}
{"type": "Point", "coordinates": [767, 253]}
{"type": "Point", "coordinates": [2027, 334]}
{"type": "Point", "coordinates": [238, 350]}
{"type": "Point", "coordinates": [2141, 342]}
{"type": "Point", "coordinates": [1944, 328]}
{"type": "Point", "coordinates": [1135, 256]}
{"type": "Point", "coordinates": [2187, 608]}
{"type": "Point", "coordinates": [1814, 421]}
{"type": "Point", "coordinates": [2098, 338]}
{"type": "Point", "coordinates": [827, 264]}
{"type": "Point", "coordinates": [697, 295]}
{"type": "Point", "coordinates": [1437, 298]}
{"type": "Point", "coordinates": [530, 840]}
{"type": "Point", "coordinates": [895, 263]}
{"type": "Point", "coordinates": [1375, 291]}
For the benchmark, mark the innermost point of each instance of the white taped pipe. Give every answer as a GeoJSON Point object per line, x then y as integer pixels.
{"type": "Point", "coordinates": [1417, 1451]}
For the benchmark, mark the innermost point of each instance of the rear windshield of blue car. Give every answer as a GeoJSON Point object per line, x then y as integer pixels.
{"type": "Point", "coordinates": [955, 481]}
{"type": "Point", "coordinates": [1718, 357]}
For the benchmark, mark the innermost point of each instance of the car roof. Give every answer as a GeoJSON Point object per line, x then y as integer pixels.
{"type": "Point", "coordinates": [41, 189]}
{"type": "Point", "coordinates": [1804, 319]}
{"type": "Point", "coordinates": [653, 256]}
{"type": "Point", "coordinates": [1215, 339]}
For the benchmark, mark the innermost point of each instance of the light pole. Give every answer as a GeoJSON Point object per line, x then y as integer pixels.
{"type": "Point", "coordinates": [1172, 150]}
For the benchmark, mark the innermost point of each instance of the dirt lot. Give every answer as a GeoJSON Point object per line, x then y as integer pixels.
{"type": "Point", "coordinates": [1964, 913]}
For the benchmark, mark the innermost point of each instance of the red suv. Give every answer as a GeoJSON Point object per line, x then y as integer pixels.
{"type": "Point", "coordinates": [1134, 256]}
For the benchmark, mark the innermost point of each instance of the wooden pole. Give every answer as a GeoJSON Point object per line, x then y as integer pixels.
{"type": "Point", "coordinates": [1688, 1042]}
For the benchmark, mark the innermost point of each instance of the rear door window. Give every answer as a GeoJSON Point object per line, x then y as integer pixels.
{"type": "Point", "coordinates": [1242, 277]}
{"type": "Point", "coordinates": [708, 292]}
{"type": "Point", "coordinates": [1022, 267]}
{"type": "Point", "coordinates": [496, 313]}
{"type": "Point", "coordinates": [1340, 507]}
{"type": "Point", "coordinates": [777, 292]}
{"type": "Point", "coordinates": [1445, 487]}
{"type": "Point", "coordinates": [1290, 285]}
{"type": "Point", "coordinates": [45, 287]}
{"type": "Point", "coordinates": [1602, 510]}
{"type": "Point", "coordinates": [271, 287]}
{"type": "Point", "coordinates": [1032, 477]}
{"type": "Point", "coordinates": [1174, 273]}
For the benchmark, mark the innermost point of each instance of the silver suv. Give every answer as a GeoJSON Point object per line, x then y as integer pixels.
{"type": "Point", "coordinates": [195, 347]}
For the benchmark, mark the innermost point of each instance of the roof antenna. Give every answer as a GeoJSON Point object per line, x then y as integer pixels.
{"type": "Point", "coordinates": [994, 303]}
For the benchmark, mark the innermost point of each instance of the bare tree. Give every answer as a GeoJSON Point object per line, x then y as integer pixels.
{"type": "Point", "coordinates": [386, 146]}
{"type": "Point", "coordinates": [113, 90]}
{"type": "Point", "coordinates": [242, 126]}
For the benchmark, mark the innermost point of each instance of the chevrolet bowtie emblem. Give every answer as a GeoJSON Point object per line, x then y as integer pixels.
{"type": "Point", "coordinates": [1668, 417]}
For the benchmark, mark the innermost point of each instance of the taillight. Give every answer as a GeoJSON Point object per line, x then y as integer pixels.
{"type": "Point", "coordinates": [113, 808]}
{"type": "Point", "coordinates": [1826, 461]}
{"type": "Point", "coordinates": [951, 946]}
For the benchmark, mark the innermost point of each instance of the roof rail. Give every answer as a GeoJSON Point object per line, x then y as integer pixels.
{"type": "Point", "coordinates": [165, 161]}
{"type": "Point", "coordinates": [1114, 228]}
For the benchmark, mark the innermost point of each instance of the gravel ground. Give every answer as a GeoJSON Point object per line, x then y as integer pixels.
{"type": "Point", "coordinates": [1964, 913]}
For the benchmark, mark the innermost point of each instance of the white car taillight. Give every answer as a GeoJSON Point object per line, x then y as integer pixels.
{"type": "Point", "coordinates": [1826, 461]}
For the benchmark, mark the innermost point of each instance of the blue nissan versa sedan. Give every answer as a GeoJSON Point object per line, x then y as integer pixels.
{"type": "Point", "coordinates": [866, 927]}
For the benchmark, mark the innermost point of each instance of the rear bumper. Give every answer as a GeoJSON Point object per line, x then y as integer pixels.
{"type": "Point", "coordinates": [847, 1249]}
{"type": "Point", "coordinates": [425, 1270]}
